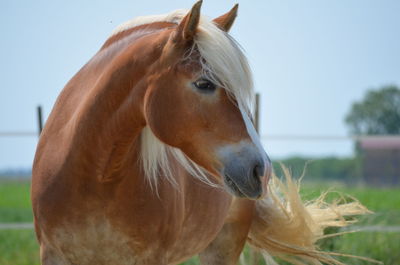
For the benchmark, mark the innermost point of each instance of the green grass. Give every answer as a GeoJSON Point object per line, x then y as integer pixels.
{"type": "Point", "coordinates": [19, 247]}
{"type": "Point", "coordinates": [380, 246]}
{"type": "Point", "coordinates": [15, 204]}
{"type": "Point", "coordinates": [385, 205]}
{"type": "Point", "coordinates": [375, 199]}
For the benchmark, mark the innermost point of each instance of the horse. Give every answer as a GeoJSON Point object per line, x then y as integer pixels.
{"type": "Point", "coordinates": [149, 155]}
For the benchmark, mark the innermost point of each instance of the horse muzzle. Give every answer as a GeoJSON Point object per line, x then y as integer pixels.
{"type": "Point", "coordinates": [246, 171]}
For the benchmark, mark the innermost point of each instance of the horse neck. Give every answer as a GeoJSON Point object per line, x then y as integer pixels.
{"type": "Point", "coordinates": [108, 118]}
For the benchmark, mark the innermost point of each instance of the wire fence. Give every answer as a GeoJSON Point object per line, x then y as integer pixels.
{"type": "Point", "coordinates": [380, 153]}
{"type": "Point", "coordinates": [269, 137]}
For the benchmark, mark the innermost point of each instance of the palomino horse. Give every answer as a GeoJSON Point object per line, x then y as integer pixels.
{"type": "Point", "coordinates": [149, 155]}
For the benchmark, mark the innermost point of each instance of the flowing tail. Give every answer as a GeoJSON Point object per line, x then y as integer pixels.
{"type": "Point", "coordinates": [286, 228]}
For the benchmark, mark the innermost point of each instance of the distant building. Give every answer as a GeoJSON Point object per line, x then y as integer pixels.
{"type": "Point", "coordinates": [381, 160]}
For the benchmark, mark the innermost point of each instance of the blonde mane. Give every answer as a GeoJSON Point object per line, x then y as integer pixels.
{"type": "Point", "coordinates": [224, 63]}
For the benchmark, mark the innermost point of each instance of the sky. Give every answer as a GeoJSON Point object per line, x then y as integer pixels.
{"type": "Point", "coordinates": [310, 59]}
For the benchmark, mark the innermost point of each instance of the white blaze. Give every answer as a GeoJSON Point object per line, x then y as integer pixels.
{"type": "Point", "coordinates": [253, 134]}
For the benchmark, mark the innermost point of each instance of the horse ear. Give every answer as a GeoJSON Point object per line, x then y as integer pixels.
{"type": "Point", "coordinates": [186, 30]}
{"type": "Point", "coordinates": [225, 21]}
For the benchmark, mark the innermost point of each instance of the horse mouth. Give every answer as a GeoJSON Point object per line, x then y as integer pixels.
{"type": "Point", "coordinates": [233, 187]}
{"type": "Point", "coordinates": [253, 193]}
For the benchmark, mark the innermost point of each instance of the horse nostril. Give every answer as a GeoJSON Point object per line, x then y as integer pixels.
{"type": "Point", "coordinates": [258, 171]}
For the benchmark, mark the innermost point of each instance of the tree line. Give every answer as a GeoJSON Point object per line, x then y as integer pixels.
{"type": "Point", "coordinates": [378, 113]}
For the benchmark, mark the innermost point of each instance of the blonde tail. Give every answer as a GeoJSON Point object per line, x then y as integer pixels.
{"type": "Point", "coordinates": [286, 228]}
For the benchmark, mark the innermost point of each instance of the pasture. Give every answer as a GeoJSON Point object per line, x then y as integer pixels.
{"type": "Point", "coordinates": [380, 241]}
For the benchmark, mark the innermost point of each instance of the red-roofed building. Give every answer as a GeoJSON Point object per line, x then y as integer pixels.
{"type": "Point", "coordinates": [381, 160]}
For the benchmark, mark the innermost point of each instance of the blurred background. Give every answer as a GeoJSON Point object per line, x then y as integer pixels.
{"type": "Point", "coordinates": [328, 76]}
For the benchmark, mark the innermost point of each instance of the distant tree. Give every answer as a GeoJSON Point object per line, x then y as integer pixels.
{"type": "Point", "coordinates": [377, 113]}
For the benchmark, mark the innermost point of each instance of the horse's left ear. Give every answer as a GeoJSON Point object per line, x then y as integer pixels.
{"type": "Point", "coordinates": [186, 30]}
{"type": "Point", "coordinates": [225, 21]}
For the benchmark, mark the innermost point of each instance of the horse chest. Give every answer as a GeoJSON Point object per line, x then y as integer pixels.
{"type": "Point", "coordinates": [176, 228]}
{"type": "Point", "coordinates": [144, 231]}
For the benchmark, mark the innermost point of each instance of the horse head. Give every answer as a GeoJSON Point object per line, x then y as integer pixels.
{"type": "Point", "coordinates": [198, 101]}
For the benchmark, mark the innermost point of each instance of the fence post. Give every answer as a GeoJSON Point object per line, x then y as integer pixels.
{"type": "Point", "coordinates": [257, 113]}
{"type": "Point", "coordinates": [39, 119]}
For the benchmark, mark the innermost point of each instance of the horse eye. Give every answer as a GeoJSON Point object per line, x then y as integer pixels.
{"type": "Point", "coordinates": [204, 85]}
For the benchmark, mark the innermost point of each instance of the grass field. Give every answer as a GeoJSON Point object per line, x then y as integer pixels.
{"type": "Point", "coordinates": [15, 205]}
{"type": "Point", "coordinates": [19, 247]}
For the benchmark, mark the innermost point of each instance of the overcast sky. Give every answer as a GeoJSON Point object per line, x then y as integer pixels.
{"type": "Point", "coordinates": [311, 60]}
